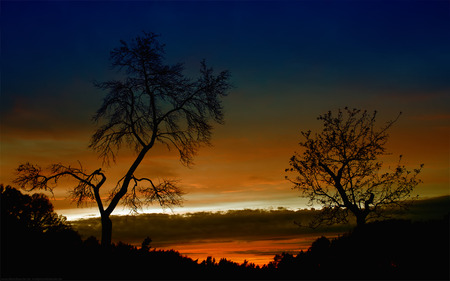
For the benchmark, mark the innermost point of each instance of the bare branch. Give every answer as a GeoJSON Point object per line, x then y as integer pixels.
{"type": "Point", "coordinates": [31, 177]}
{"type": "Point", "coordinates": [339, 167]}
{"type": "Point", "coordinates": [166, 193]}
{"type": "Point", "coordinates": [157, 103]}
{"type": "Point", "coordinates": [154, 102]}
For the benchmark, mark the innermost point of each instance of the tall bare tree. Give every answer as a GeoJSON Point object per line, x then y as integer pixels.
{"type": "Point", "coordinates": [153, 103]}
{"type": "Point", "coordinates": [340, 169]}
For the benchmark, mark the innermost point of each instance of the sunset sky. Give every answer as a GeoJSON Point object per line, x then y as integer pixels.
{"type": "Point", "coordinates": [290, 62]}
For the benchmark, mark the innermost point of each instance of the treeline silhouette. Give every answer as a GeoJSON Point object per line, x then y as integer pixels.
{"type": "Point", "coordinates": [37, 243]}
{"type": "Point", "coordinates": [391, 249]}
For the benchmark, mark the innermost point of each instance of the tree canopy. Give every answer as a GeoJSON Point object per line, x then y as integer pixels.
{"type": "Point", "coordinates": [34, 212]}
{"type": "Point", "coordinates": [340, 168]}
{"type": "Point", "coordinates": [151, 102]}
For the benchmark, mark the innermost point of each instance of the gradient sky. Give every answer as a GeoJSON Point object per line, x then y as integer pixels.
{"type": "Point", "coordinates": [290, 62]}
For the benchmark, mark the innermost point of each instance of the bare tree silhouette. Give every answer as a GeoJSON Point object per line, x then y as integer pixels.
{"type": "Point", "coordinates": [154, 102]}
{"type": "Point", "coordinates": [340, 169]}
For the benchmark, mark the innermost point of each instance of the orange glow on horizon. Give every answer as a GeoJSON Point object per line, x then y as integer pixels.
{"type": "Point", "coordinates": [259, 252]}
{"type": "Point", "coordinates": [245, 164]}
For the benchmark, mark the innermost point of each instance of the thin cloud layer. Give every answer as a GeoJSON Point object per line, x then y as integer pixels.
{"type": "Point", "coordinates": [203, 227]}
{"type": "Point", "coordinates": [276, 226]}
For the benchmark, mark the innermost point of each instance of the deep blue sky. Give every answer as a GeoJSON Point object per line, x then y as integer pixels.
{"type": "Point", "coordinates": [290, 61]}
{"type": "Point", "coordinates": [401, 44]}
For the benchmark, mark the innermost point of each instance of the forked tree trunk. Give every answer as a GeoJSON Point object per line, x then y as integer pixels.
{"type": "Point", "coordinates": [106, 231]}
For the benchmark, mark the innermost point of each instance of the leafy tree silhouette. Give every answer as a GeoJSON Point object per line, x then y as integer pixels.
{"type": "Point", "coordinates": [145, 246]}
{"type": "Point", "coordinates": [153, 103]}
{"type": "Point", "coordinates": [320, 246]}
{"type": "Point", "coordinates": [34, 212]}
{"type": "Point", "coordinates": [340, 169]}
{"type": "Point", "coordinates": [32, 234]}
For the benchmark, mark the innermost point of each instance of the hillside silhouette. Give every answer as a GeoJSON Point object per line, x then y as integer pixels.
{"type": "Point", "coordinates": [391, 249]}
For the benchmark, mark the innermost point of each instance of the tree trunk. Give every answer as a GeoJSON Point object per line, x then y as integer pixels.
{"type": "Point", "coordinates": [360, 219]}
{"type": "Point", "coordinates": [106, 231]}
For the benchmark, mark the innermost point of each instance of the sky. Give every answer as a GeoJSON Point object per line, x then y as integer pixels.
{"type": "Point", "coordinates": [290, 61]}
{"type": "Point", "coordinates": [238, 235]}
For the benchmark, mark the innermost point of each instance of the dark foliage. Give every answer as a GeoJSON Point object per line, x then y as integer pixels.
{"type": "Point", "coordinates": [395, 249]}
{"type": "Point", "coordinates": [392, 249]}
{"type": "Point", "coordinates": [34, 239]}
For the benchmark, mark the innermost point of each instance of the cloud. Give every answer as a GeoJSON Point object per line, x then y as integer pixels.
{"type": "Point", "coordinates": [164, 229]}
{"type": "Point", "coordinates": [276, 226]}
{"type": "Point", "coordinates": [57, 111]}
{"type": "Point", "coordinates": [428, 208]}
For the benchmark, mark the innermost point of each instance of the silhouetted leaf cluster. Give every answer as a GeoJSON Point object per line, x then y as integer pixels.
{"type": "Point", "coordinates": [34, 239]}
{"type": "Point", "coordinates": [34, 213]}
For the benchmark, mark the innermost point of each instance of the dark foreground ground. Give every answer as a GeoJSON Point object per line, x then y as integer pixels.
{"type": "Point", "coordinates": [392, 249]}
